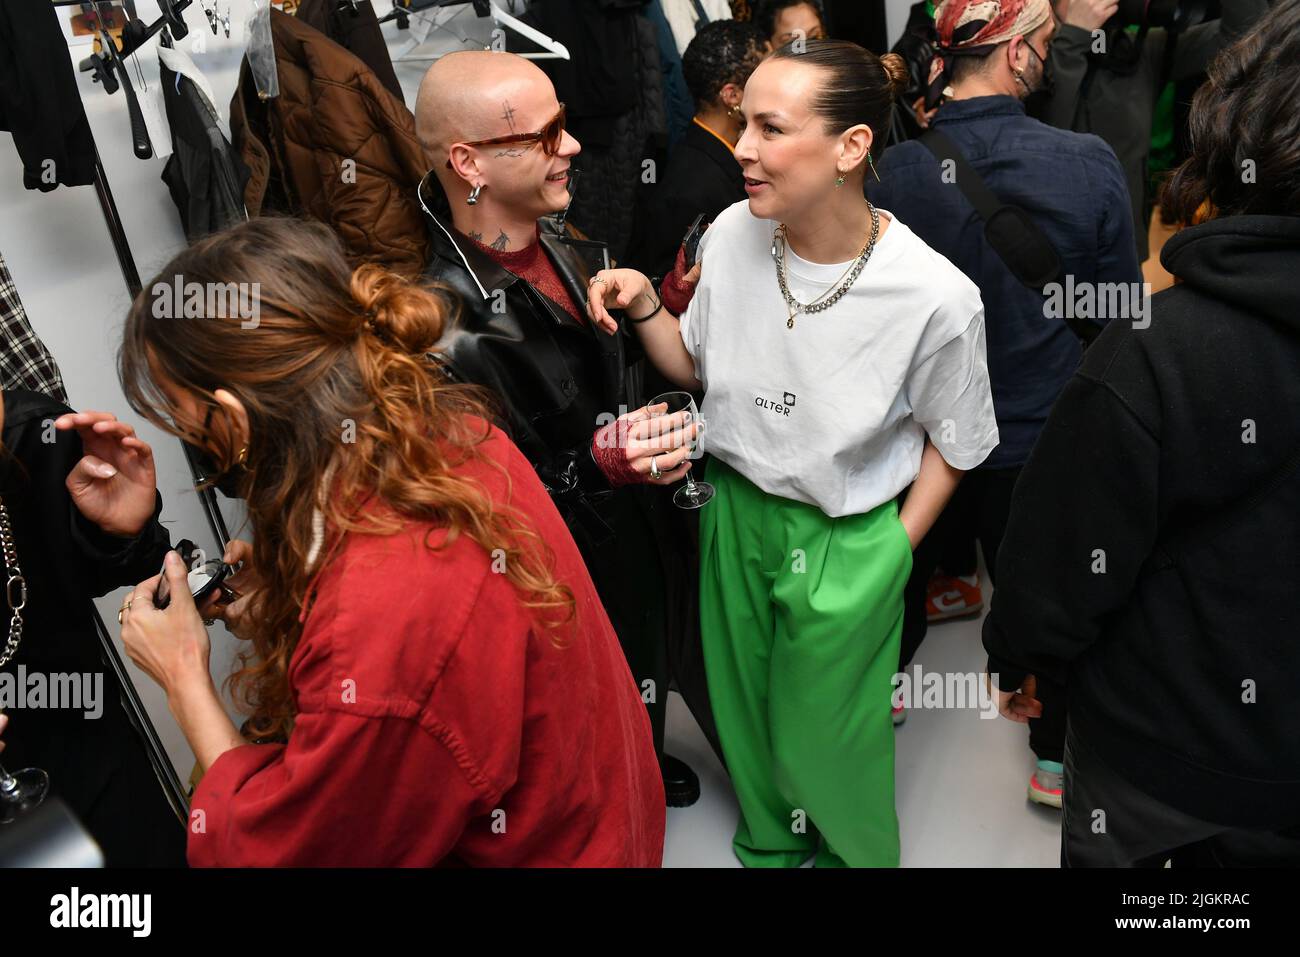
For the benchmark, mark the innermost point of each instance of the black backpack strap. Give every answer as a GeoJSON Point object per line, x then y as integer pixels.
{"type": "Point", "coordinates": [1019, 241]}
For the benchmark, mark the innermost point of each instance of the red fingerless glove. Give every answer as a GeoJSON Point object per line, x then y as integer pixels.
{"type": "Point", "coordinates": [608, 449]}
{"type": "Point", "coordinates": [674, 291]}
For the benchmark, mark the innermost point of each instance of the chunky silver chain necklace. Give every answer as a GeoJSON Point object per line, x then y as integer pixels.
{"type": "Point", "coordinates": [14, 576]}
{"type": "Point", "coordinates": [828, 298]}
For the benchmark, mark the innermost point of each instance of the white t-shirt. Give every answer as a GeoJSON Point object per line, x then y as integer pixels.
{"type": "Point", "coordinates": [834, 412]}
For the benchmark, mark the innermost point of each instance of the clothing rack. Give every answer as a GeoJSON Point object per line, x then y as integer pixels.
{"type": "Point", "coordinates": [110, 69]}
{"type": "Point", "coordinates": [106, 62]}
{"type": "Point", "coordinates": [402, 10]}
{"type": "Point", "coordinates": [109, 64]}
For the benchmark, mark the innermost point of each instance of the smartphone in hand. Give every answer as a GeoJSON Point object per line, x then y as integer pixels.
{"type": "Point", "coordinates": [691, 241]}
{"type": "Point", "coordinates": [204, 577]}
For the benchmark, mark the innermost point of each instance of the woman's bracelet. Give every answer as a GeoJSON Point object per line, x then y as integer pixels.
{"type": "Point", "coordinates": [654, 312]}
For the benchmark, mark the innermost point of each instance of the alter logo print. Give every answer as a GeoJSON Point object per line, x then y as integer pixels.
{"type": "Point", "coordinates": [781, 408]}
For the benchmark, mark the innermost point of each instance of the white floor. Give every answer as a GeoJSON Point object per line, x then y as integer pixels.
{"type": "Point", "coordinates": [960, 781]}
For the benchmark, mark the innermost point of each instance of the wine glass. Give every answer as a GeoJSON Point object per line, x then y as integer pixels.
{"type": "Point", "coordinates": [21, 791]}
{"type": "Point", "coordinates": [693, 494]}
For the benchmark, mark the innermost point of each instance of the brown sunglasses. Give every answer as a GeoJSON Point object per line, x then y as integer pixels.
{"type": "Point", "coordinates": [549, 136]}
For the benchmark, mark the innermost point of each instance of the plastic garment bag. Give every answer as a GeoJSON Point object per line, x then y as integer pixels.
{"type": "Point", "coordinates": [261, 51]}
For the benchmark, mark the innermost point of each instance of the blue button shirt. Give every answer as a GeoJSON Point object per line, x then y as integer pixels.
{"type": "Point", "coordinates": [1072, 186]}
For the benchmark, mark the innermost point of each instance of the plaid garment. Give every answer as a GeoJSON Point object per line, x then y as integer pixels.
{"type": "Point", "coordinates": [25, 363]}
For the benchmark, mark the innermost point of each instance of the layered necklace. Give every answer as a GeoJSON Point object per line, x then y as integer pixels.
{"type": "Point", "coordinates": [833, 295]}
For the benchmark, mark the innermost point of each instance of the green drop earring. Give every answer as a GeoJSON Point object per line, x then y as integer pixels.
{"type": "Point", "coordinates": [872, 164]}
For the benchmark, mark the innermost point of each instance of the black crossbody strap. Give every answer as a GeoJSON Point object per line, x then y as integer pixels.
{"type": "Point", "coordinates": [970, 183]}
{"type": "Point", "coordinates": [1019, 242]}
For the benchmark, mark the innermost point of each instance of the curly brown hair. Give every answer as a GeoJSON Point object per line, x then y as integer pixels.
{"type": "Point", "coordinates": [1245, 119]}
{"type": "Point", "coordinates": [336, 380]}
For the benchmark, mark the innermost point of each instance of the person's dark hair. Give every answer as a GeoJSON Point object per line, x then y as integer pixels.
{"type": "Point", "coordinates": [765, 12]}
{"type": "Point", "coordinates": [1247, 111]}
{"type": "Point", "coordinates": [859, 86]}
{"type": "Point", "coordinates": [966, 66]}
{"type": "Point", "coordinates": [722, 52]}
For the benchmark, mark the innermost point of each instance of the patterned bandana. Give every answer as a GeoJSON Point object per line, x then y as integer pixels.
{"type": "Point", "coordinates": [974, 28]}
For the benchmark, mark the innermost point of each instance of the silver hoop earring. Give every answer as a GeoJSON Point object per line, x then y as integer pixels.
{"type": "Point", "coordinates": [472, 199]}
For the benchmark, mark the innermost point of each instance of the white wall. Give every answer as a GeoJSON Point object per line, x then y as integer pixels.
{"type": "Point", "coordinates": [896, 18]}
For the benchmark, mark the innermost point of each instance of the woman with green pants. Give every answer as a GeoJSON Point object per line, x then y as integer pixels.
{"type": "Point", "coordinates": [842, 360]}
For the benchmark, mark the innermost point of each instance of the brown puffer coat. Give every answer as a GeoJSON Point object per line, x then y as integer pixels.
{"type": "Point", "coordinates": [331, 109]}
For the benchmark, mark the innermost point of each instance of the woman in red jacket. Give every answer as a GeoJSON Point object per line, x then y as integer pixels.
{"type": "Point", "coordinates": [430, 666]}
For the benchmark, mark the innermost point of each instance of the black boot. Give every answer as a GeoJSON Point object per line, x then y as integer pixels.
{"type": "Point", "coordinates": [681, 784]}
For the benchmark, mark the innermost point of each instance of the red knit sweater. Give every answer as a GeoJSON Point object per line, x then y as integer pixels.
{"type": "Point", "coordinates": [533, 265]}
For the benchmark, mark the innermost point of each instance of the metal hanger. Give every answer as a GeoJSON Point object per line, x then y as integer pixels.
{"type": "Point", "coordinates": [403, 9]}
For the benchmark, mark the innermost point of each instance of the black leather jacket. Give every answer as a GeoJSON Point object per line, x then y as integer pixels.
{"type": "Point", "coordinates": [556, 380]}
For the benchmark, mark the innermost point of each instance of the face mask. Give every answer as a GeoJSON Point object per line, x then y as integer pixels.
{"type": "Point", "coordinates": [229, 483]}
{"type": "Point", "coordinates": [1045, 85]}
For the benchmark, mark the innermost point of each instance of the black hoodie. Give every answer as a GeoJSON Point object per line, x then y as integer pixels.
{"type": "Point", "coordinates": [1153, 554]}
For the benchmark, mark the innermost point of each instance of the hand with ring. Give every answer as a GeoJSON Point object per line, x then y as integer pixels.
{"type": "Point", "coordinates": [169, 645]}
{"type": "Point", "coordinates": [622, 289]}
{"type": "Point", "coordinates": [646, 446]}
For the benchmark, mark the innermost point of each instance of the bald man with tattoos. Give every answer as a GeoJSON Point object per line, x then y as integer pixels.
{"type": "Point", "coordinates": [495, 137]}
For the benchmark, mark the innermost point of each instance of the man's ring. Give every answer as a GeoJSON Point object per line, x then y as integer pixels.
{"type": "Point", "coordinates": [654, 468]}
{"type": "Point", "coordinates": [125, 608]}
{"type": "Point", "coordinates": [596, 279]}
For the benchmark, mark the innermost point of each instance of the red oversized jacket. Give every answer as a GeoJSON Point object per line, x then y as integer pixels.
{"type": "Point", "coordinates": [437, 724]}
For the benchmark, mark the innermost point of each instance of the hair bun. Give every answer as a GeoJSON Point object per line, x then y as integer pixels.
{"type": "Point", "coordinates": [409, 317]}
{"type": "Point", "coordinates": [896, 69]}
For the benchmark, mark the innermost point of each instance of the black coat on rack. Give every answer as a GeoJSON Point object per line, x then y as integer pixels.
{"type": "Point", "coordinates": [39, 101]}
{"type": "Point", "coordinates": [205, 177]}
{"type": "Point", "coordinates": [357, 31]}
